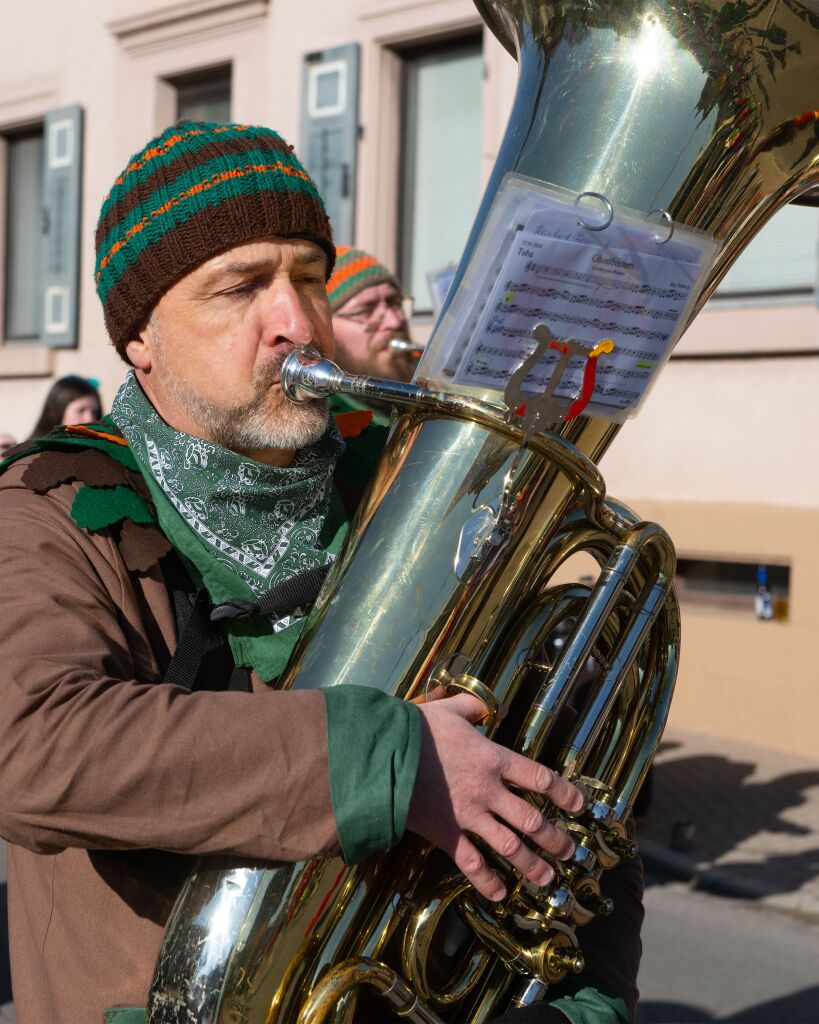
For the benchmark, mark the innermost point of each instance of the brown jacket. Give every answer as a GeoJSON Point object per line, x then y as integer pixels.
{"type": "Point", "coordinates": [97, 761]}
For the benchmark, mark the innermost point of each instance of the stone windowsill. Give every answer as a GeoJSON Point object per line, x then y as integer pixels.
{"type": "Point", "coordinates": [18, 360]}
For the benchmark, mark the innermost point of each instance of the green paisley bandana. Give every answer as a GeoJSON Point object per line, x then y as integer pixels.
{"type": "Point", "coordinates": [241, 527]}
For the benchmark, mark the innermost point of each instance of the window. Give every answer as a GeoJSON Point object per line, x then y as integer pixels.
{"type": "Point", "coordinates": [203, 95]}
{"type": "Point", "coordinates": [441, 160]}
{"type": "Point", "coordinates": [23, 242]}
{"type": "Point", "coordinates": [41, 240]}
{"type": "Point", "coordinates": [783, 259]}
{"type": "Point", "coordinates": [734, 586]}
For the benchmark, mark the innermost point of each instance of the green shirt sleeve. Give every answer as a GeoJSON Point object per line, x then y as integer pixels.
{"type": "Point", "coordinates": [374, 743]}
{"type": "Point", "coordinates": [590, 1005]}
{"type": "Point", "coordinates": [125, 1015]}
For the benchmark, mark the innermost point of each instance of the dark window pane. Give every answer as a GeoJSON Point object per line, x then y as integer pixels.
{"type": "Point", "coordinates": [24, 271]}
{"type": "Point", "coordinates": [203, 95]}
{"type": "Point", "coordinates": [733, 585]}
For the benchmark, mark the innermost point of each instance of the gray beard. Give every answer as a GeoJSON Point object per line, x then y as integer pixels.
{"type": "Point", "coordinates": [252, 426]}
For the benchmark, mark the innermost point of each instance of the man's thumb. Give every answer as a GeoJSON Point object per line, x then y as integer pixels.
{"type": "Point", "coordinates": [466, 706]}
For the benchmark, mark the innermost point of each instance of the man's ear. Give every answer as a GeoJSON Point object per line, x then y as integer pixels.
{"type": "Point", "coordinates": [140, 348]}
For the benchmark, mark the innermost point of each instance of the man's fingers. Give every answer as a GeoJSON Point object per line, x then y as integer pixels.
{"type": "Point", "coordinates": [469, 860]}
{"type": "Point", "coordinates": [526, 774]}
{"type": "Point", "coordinates": [465, 791]}
{"type": "Point", "coordinates": [512, 848]}
{"type": "Point", "coordinates": [528, 820]}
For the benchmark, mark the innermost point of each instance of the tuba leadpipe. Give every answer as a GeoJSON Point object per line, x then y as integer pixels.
{"type": "Point", "coordinates": [705, 112]}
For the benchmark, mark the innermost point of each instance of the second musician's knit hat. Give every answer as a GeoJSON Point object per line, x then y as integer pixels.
{"type": "Point", "coordinates": [193, 192]}
{"type": "Point", "coordinates": [354, 271]}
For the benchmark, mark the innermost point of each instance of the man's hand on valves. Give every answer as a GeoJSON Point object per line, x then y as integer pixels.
{"type": "Point", "coordinates": [462, 790]}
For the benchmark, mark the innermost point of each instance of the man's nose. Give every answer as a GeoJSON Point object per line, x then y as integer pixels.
{"type": "Point", "coordinates": [394, 318]}
{"type": "Point", "coordinates": [287, 316]}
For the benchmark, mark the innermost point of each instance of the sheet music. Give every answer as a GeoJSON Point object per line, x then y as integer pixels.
{"type": "Point", "coordinates": [587, 292]}
{"type": "Point", "coordinates": [537, 262]}
{"type": "Point", "coordinates": [512, 209]}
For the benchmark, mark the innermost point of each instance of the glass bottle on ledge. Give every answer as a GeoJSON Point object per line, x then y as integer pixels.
{"type": "Point", "coordinates": [763, 601]}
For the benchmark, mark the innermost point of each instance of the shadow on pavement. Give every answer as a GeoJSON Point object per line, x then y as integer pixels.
{"type": "Point", "coordinates": [5, 973]}
{"type": "Point", "coordinates": [705, 806]}
{"type": "Point", "coordinates": [653, 1012]}
{"type": "Point", "coordinates": [797, 1008]}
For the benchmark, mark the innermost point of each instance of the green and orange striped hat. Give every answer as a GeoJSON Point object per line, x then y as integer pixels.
{"type": "Point", "coordinates": [195, 191]}
{"type": "Point", "coordinates": [354, 271]}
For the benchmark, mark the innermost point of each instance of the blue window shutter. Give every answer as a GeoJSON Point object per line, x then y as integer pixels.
{"type": "Point", "coordinates": [330, 132]}
{"type": "Point", "coordinates": [62, 192]}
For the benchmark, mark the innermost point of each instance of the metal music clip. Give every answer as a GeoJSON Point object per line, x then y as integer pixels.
{"type": "Point", "coordinates": [609, 211]}
{"type": "Point", "coordinates": [669, 220]}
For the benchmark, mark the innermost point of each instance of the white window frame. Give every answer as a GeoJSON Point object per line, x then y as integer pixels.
{"type": "Point", "coordinates": [332, 67]}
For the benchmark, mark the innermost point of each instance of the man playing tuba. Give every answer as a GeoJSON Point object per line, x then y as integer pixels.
{"type": "Point", "coordinates": [140, 727]}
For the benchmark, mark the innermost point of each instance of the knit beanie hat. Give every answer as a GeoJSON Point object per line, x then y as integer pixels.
{"type": "Point", "coordinates": [193, 192]}
{"type": "Point", "coordinates": [354, 271]}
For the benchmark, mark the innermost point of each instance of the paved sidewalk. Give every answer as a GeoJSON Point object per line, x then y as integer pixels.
{"type": "Point", "coordinates": [737, 819]}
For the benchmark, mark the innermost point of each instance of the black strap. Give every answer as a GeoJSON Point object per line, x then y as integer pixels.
{"type": "Point", "coordinates": [298, 592]}
{"type": "Point", "coordinates": [203, 659]}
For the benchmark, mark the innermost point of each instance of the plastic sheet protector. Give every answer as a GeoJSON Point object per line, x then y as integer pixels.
{"type": "Point", "coordinates": [544, 259]}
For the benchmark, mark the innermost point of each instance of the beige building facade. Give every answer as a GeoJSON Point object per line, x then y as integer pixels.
{"type": "Point", "coordinates": [725, 451]}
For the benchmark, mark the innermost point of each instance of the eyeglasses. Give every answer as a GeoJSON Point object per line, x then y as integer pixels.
{"type": "Point", "coordinates": [368, 313]}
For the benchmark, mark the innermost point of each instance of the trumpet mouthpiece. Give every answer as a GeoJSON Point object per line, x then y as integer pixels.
{"type": "Point", "coordinates": [412, 349]}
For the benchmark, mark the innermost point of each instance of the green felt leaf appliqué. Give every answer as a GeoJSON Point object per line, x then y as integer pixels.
{"type": "Point", "coordinates": [94, 508]}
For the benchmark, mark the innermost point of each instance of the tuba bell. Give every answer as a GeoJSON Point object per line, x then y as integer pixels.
{"type": "Point", "coordinates": [697, 114]}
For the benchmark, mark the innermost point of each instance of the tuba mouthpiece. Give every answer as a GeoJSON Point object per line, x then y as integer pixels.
{"type": "Point", "coordinates": [306, 375]}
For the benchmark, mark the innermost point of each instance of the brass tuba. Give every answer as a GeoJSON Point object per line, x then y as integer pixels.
{"type": "Point", "coordinates": [702, 111]}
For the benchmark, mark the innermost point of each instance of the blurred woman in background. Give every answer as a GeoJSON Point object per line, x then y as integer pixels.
{"type": "Point", "coordinates": [71, 400]}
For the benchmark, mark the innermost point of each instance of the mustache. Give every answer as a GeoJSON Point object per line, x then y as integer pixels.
{"type": "Point", "coordinates": [268, 374]}
{"type": "Point", "coordinates": [384, 342]}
